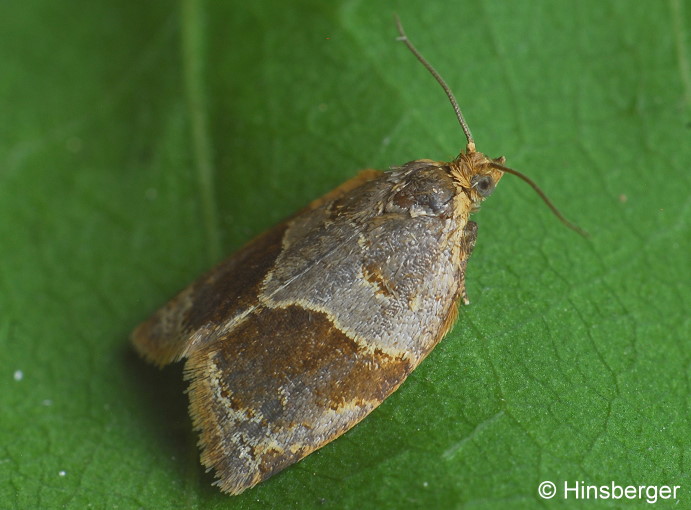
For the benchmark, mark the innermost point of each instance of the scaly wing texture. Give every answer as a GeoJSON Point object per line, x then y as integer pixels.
{"type": "Point", "coordinates": [228, 291]}
{"type": "Point", "coordinates": [283, 383]}
{"type": "Point", "coordinates": [195, 315]}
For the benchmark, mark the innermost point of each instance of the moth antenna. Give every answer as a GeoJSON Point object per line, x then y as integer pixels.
{"type": "Point", "coordinates": [470, 147]}
{"type": "Point", "coordinates": [542, 195]}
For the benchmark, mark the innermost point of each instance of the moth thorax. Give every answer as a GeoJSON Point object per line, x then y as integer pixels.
{"type": "Point", "coordinates": [425, 190]}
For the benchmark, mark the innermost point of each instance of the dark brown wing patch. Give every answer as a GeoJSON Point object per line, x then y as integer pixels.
{"type": "Point", "coordinates": [227, 291]}
{"type": "Point", "coordinates": [280, 385]}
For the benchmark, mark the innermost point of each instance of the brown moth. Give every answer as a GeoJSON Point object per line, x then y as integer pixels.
{"type": "Point", "coordinates": [311, 325]}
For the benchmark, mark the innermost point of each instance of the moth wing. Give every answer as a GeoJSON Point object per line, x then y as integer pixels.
{"type": "Point", "coordinates": [202, 311]}
{"type": "Point", "coordinates": [351, 307]}
{"type": "Point", "coordinates": [345, 299]}
{"type": "Point", "coordinates": [194, 316]}
{"type": "Point", "coordinates": [282, 384]}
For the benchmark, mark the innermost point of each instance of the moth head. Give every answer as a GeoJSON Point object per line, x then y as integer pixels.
{"type": "Point", "coordinates": [476, 176]}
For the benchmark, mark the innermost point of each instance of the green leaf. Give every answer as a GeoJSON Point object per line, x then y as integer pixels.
{"type": "Point", "coordinates": [142, 141]}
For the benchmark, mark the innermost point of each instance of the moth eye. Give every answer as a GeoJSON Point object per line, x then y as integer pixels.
{"type": "Point", "coordinates": [483, 184]}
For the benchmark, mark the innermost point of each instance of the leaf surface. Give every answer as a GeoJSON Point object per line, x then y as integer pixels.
{"type": "Point", "coordinates": [141, 143]}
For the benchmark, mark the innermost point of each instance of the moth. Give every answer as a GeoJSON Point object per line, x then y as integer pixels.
{"type": "Point", "coordinates": [310, 326]}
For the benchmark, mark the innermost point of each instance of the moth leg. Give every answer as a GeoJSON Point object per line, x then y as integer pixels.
{"type": "Point", "coordinates": [467, 245]}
